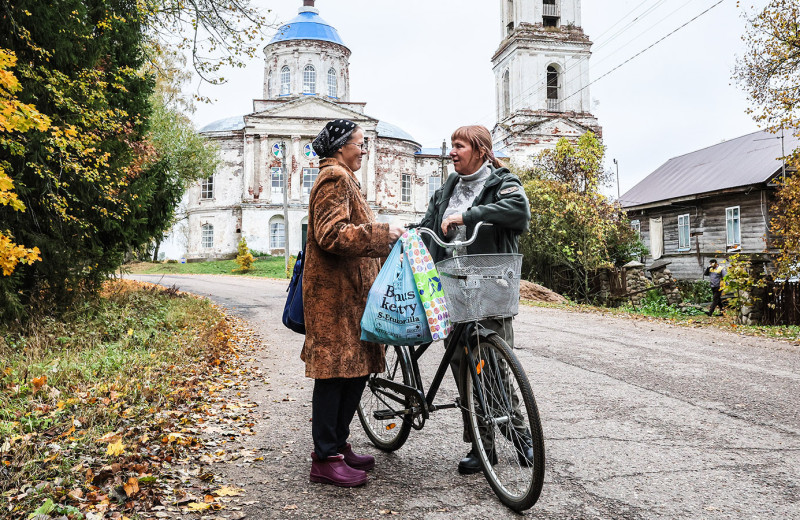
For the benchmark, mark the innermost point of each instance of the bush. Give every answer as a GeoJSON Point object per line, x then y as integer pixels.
{"type": "Point", "coordinates": [244, 259]}
{"type": "Point", "coordinates": [698, 291]}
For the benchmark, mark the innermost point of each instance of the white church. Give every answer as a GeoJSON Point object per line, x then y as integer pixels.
{"type": "Point", "coordinates": [267, 166]}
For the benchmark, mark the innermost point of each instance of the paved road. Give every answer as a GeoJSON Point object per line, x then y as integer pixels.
{"type": "Point", "coordinates": [642, 420]}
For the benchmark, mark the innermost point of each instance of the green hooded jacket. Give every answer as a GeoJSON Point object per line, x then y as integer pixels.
{"type": "Point", "coordinates": [502, 202]}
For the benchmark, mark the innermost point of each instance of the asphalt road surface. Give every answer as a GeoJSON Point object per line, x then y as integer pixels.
{"type": "Point", "coordinates": [641, 419]}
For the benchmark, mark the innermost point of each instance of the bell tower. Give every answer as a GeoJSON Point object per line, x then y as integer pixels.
{"type": "Point", "coordinates": [541, 77]}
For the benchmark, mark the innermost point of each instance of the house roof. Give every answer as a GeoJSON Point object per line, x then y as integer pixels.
{"type": "Point", "coordinates": [747, 160]}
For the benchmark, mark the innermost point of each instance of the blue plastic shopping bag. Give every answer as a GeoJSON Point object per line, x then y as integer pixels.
{"type": "Point", "coordinates": [394, 313]}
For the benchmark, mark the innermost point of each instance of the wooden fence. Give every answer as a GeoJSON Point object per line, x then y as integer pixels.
{"type": "Point", "coordinates": [782, 303]}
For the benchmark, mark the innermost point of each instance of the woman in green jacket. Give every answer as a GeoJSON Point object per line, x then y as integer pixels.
{"type": "Point", "coordinates": [481, 189]}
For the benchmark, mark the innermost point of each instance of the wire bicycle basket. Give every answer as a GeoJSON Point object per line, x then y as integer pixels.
{"type": "Point", "coordinates": [481, 286]}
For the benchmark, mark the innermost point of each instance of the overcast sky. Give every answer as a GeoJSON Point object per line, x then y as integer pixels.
{"type": "Point", "coordinates": [424, 65]}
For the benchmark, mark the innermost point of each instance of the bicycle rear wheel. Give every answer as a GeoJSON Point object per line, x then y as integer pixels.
{"type": "Point", "coordinates": [509, 429]}
{"type": "Point", "coordinates": [377, 408]}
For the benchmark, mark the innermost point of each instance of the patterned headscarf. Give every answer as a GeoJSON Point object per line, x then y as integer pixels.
{"type": "Point", "coordinates": [333, 136]}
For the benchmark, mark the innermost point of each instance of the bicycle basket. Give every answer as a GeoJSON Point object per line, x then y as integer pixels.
{"type": "Point", "coordinates": [481, 286]}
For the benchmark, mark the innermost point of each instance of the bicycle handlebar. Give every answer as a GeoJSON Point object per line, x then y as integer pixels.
{"type": "Point", "coordinates": [455, 243]}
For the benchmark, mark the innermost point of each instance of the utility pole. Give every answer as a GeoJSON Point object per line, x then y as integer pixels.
{"type": "Point", "coordinates": [444, 158]}
{"type": "Point", "coordinates": [285, 186]}
{"type": "Point", "coordinates": [617, 165]}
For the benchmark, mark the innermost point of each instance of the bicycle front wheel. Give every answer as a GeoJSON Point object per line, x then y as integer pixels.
{"type": "Point", "coordinates": [379, 407]}
{"type": "Point", "coordinates": [506, 432]}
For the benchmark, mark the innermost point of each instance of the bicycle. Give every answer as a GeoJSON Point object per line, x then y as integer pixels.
{"type": "Point", "coordinates": [494, 392]}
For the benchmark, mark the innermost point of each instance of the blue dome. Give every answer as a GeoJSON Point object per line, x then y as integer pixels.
{"type": "Point", "coordinates": [307, 26]}
{"type": "Point", "coordinates": [391, 131]}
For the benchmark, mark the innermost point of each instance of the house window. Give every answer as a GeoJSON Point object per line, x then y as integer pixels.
{"type": "Point", "coordinates": [207, 188]}
{"type": "Point", "coordinates": [333, 91]}
{"type": "Point", "coordinates": [405, 190]}
{"type": "Point", "coordinates": [434, 183]}
{"type": "Point", "coordinates": [286, 81]}
{"type": "Point", "coordinates": [276, 181]}
{"type": "Point", "coordinates": [277, 233]}
{"type": "Point", "coordinates": [309, 80]}
{"type": "Point", "coordinates": [309, 178]}
{"type": "Point", "coordinates": [637, 227]}
{"type": "Point", "coordinates": [207, 236]}
{"type": "Point", "coordinates": [506, 93]}
{"type": "Point", "coordinates": [683, 232]}
{"type": "Point", "coordinates": [733, 227]}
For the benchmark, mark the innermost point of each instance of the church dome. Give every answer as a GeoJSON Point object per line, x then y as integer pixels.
{"type": "Point", "coordinates": [308, 25]}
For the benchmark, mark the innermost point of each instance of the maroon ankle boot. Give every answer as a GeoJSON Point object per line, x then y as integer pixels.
{"type": "Point", "coordinates": [364, 462]}
{"type": "Point", "coordinates": [334, 470]}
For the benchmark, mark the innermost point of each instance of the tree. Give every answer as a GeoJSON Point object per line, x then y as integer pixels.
{"type": "Point", "coordinates": [770, 74]}
{"type": "Point", "coordinates": [574, 227]}
{"type": "Point", "coordinates": [216, 33]}
{"type": "Point", "coordinates": [769, 71]}
{"type": "Point", "coordinates": [15, 119]}
{"type": "Point", "coordinates": [80, 64]}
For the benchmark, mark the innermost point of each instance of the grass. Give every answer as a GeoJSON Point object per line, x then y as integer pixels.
{"type": "Point", "coordinates": [267, 267]}
{"type": "Point", "coordinates": [109, 367]}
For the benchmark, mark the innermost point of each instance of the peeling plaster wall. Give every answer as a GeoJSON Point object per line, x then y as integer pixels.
{"type": "Point", "coordinates": [296, 55]}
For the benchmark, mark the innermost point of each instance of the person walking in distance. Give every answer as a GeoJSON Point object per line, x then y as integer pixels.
{"type": "Point", "coordinates": [715, 273]}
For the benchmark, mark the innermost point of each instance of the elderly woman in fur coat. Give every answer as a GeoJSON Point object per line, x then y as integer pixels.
{"type": "Point", "coordinates": [343, 252]}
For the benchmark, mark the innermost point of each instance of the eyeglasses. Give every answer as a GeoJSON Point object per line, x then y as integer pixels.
{"type": "Point", "coordinates": [363, 146]}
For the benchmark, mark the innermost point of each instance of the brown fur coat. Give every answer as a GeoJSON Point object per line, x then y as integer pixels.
{"type": "Point", "coordinates": [343, 253]}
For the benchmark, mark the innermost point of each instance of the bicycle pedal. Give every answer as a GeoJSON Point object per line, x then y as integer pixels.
{"type": "Point", "coordinates": [383, 415]}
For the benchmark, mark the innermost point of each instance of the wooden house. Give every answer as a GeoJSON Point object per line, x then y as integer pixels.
{"type": "Point", "coordinates": [710, 203]}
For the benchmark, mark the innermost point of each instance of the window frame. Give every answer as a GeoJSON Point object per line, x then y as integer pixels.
{"type": "Point", "coordinates": [276, 190]}
{"type": "Point", "coordinates": [207, 236]}
{"type": "Point", "coordinates": [406, 188]}
{"type": "Point", "coordinates": [333, 84]}
{"type": "Point", "coordinates": [736, 244]}
{"type": "Point", "coordinates": [636, 225]}
{"type": "Point", "coordinates": [438, 184]}
{"type": "Point", "coordinates": [275, 224]}
{"type": "Point", "coordinates": [684, 232]}
{"type": "Point", "coordinates": [207, 188]}
{"type": "Point", "coordinates": [286, 81]}
{"type": "Point", "coordinates": [309, 80]}
{"type": "Point", "coordinates": [309, 178]}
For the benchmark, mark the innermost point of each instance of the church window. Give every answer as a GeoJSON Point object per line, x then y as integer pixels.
{"type": "Point", "coordinates": [333, 91]}
{"type": "Point", "coordinates": [550, 13]}
{"type": "Point", "coordinates": [434, 183]}
{"type": "Point", "coordinates": [506, 93]}
{"type": "Point", "coordinates": [683, 232]}
{"type": "Point", "coordinates": [207, 236]}
{"type": "Point", "coordinates": [286, 81]}
{"type": "Point", "coordinates": [277, 233]}
{"type": "Point", "coordinates": [309, 80]}
{"type": "Point", "coordinates": [309, 178]}
{"type": "Point", "coordinates": [553, 95]}
{"type": "Point", "coordinates": [277, 184]}
{"type": "Point", "coordinates": [405, 189]}
{"type": "Point", "coordinates": [207, 188]}
{"type": "Point", "coordinates": [269, 84]}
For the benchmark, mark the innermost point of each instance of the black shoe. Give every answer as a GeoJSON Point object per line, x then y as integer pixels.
{"type": "Point", "coordinates": [472, 463]}
{"type": "Point", "coordinates": [708, 313]}
{"type": "Point", "coordinates": [525, 453]}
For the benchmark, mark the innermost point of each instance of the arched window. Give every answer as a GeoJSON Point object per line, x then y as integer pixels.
{"type": "Point", "coordinates": [277, 233]}
{"type": "Point", "coordinates": [506, 93]}
{"type": "Point", "coordinates": [333, 91]}
{"type": "Point", "coordinates": [553, 94]}
{"type": "Point", "coordinates": [207, 236]}
{"type": "Point", "coordinates": [309, 80]}
{"type": "Point", "coordinates": [286, 81]}
{"type": "Point", "coordinates": [269, 84]}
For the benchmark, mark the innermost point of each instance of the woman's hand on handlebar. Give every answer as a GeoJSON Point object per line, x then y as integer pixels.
{"type": "Point", "coordinates": [457, 219]}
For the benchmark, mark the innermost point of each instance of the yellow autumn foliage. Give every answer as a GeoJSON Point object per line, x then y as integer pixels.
{"type": "Point", "coordinates": [14, 117]}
